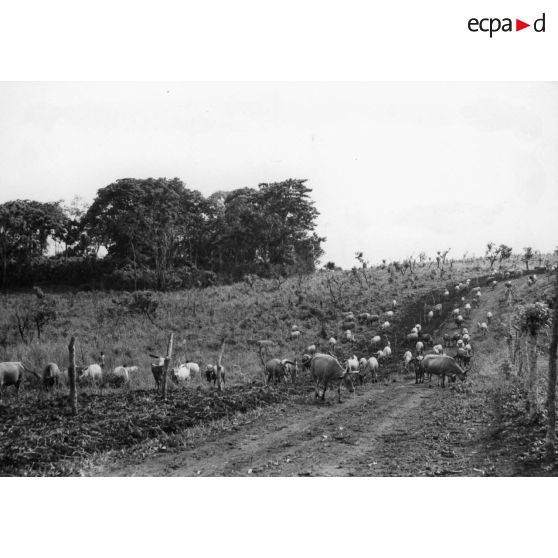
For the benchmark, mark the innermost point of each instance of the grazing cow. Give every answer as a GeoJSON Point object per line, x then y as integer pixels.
{"type": "Point", "coordinates": [11, 374]}
{"type": "Point", "coordinates": [407, 359]}
{"type": "Point", "coordinates": [447, 340]}
{"type": "Point", "coordinates": [326, 370]}
{"type": "Point", "coordinates": [483, 328]}
{"type": "Point", "coordinates": [182, 373]}
{"type": "Point", "coordinates": [210, 373]}
{"type": "Point", "coordinates": [332, 342]}
{"type": "Point", "coordinates": [363, 317]}
{"type": "Point", "coordinates": [438, 349]}
{"type": "Point", "coordinates": [92, 372]}
{"type": "Point", "coordinates": [412, 337]}
{"type": "Point", "coordinates": [122, 372]}
{"type": "Point", "coordinates": [437, 309]}
{"type": "Point", "coordinates": [376, 340]}
{"type": "Point", "coordinates": [429, 316]}
{"type": "Point", "coordinates": [455, 338]}
{"type": "Point", "coordinates": [291, 368]}
{"type": "Point", "coordinates": [215, 373]}
{"type": "Point", "coordinates": [353, 364]}
{"type": "Point", "coordinates": [461, 352]}
{"type": "Point", "coordinates": [275, 371]}
{"type": "Point", "coordinates": [349, 335]}
{"type": "Point", "coordinates": [488, 317]}
{"type": "Point", "coordinates": [442, 366]}
{"type": "Point", "coordinates": [51, 375]}
{"type": "Point", "coordinates": [419, 372]}
{"type": "Point", "coordinates": [467, 309]}
{"type": "Point", "coordinates": [387, 351]}
{"type": "Point", "coordinates": [372, 365]}
{"type": "Point", "coordinates": [426, 338]}
{"type": "Point", "coordinates": [157, 370]}
{"type": "Point", "coordinates": [419, 347]}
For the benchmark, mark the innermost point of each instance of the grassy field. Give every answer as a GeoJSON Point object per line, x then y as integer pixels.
{"type": "Point", "coordinates": [241, 313]}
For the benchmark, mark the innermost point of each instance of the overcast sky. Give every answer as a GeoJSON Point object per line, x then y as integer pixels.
{"type": "Point", "coordinates": [395, 168]}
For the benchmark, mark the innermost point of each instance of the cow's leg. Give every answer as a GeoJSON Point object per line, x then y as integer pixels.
{"type": "Point", "coordinates": [325, 389]}
{"type": "Point", "coordinates": [339, 393]}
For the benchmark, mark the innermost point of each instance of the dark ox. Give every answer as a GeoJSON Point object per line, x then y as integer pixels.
{"type": "Point", "coordinates": [442, 366]}
{"type": "Point", "coordinates": [326, 370]}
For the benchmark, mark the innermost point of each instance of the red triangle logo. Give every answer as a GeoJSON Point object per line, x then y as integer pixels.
{"type": "Point", "coordinates": [519, 25]}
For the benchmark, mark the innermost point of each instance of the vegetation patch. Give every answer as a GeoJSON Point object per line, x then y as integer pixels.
{"type": "Point", "coordinates": [41, 437]}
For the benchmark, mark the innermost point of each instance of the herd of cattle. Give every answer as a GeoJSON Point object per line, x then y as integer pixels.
{"type": "Point", "coordinates": [422, 355]}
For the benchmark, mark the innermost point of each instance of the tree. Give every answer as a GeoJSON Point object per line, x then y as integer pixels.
{"type": "Point", "coordinates": [504, 252]}
{"type": "Point", "coordinates": [25, 229]}
{"type": "Point", "coordinates": [528, 255]}
{"type": "Point", "coordinates": [551, 398]}
{"type": "Point", "coordinates": [152, 223]}
{"type": "Point", "coordinates": [268, 231]}
{"type": "Point", "coordinates": [75, 240]}
{"type": "Point", "coordinates": [491, 253]}
{"type": "Point", "coordinates": [531, 319]}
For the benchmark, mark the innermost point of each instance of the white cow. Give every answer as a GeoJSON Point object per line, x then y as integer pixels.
{"type": "Point", "coordinates": [91, 372]}
{"type": "Point", "coordinates": [407, 358]}
{"type": "Point", "coordinates": [183, 372]}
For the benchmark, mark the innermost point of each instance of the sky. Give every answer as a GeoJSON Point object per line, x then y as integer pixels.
{"type": "Point", "coordinates": [395, 168]}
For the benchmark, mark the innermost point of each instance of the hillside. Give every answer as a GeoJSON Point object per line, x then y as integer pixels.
{"type": "Point", "coordinates": [39, 436]}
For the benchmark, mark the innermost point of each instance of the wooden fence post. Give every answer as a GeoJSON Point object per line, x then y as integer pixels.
{"type": "Point", "coordinates": [72, 376]}
{"type": "Point", "coordinates": [551, 398]}
{"type": "Point", "coordinates": [166, 366]}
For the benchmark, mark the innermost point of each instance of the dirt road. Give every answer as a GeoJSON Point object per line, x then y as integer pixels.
{"type": "Point", "coordinates": [398, 429]}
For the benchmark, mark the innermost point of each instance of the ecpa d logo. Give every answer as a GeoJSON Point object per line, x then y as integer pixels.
{"type": "Point", "coordinates": [492, 25]}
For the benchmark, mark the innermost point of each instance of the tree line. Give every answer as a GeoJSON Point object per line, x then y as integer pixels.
{"type": "Point", "coordinates": [157, 234]}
